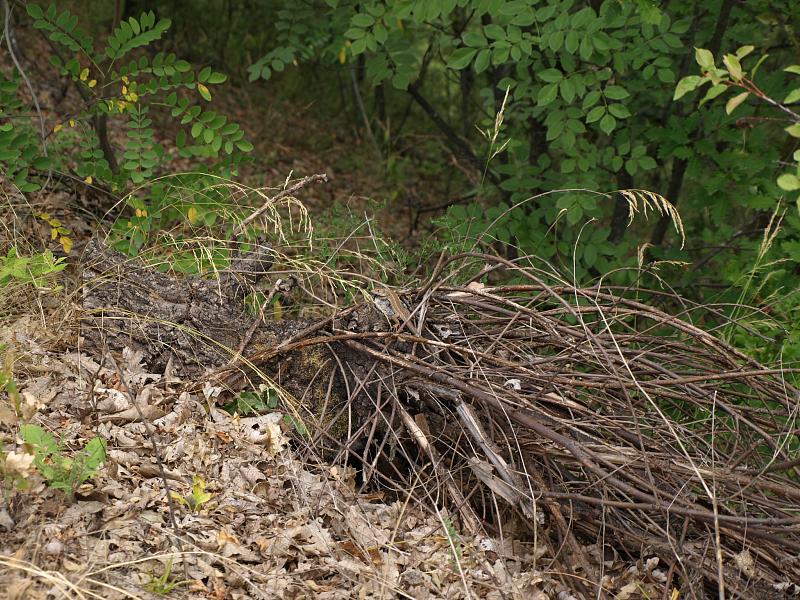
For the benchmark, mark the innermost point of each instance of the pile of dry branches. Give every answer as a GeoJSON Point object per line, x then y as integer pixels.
{"type": "Point", "coordinates": [589, 415]}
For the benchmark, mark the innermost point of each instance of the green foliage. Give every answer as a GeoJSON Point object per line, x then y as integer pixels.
{"type": "Point", "coordinates": [20, 148]}
{"type": "Point", "coordinates": [175, 210]}
{"type": "Point", "coordinates": [732, 77]}
{"type": "Point", "coordinates": [573, 73]}
{"type": "Point", "coordinates": [35, 270]}
{"type": "Point", "coordinates": [165, 583]}
{"type": "Point", "coordinates": [249, 403]}
{"type": "Point", "coordinates": [772, 273]}
{"type": "Point", "coordinates": [124, 80]}
{"type": "Point", "coordinates": [112, 88]}
{"type": "Point", "coordinates": [198, 496]}
{"type": "Point", "coordinates": [592, 105]}
{"type": "Point", "coordinates": [63, 472]}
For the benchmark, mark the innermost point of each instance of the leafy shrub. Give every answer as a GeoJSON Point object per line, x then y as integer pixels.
{"type": "Point", "coordinates": [117, 82]}
{"type": "Point", "coordinates": [774, 271]}
{"type": "Point", "coordinates": [122, 80]}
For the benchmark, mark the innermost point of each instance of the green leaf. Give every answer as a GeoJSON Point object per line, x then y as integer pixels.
{"type": "Point", "coordinates": [793, 69]}
{"type": "Point", "coordinates": [647, 163]}
{"type": "Point", "coordinates": [203, 75]}
{"type": "Point", "coordinates": [686, 85]}
{"type": "Point", "coordinates": [244, 145]}
{"type": "Point", "coordinates": [619, 110]}
{"type": "Point", "coordinates": [731, 105]}
{"type": "Point", "coordinates": [216, 78]}
{"type": "Point", "coordinates": [380, 33]}
{"type": "Point", "coordinates": [666, 75]}
{"type": "Point", "coordinates": [461, 58]}
{"type": "Point", "coordinates": [713, 92]}
{"type": "Point", "coordinates": [615, 92]}
{"type": "Point", "coordinates": [595, 114]}
{"type": "Point", "coordinates": [551, 75]}
{"type": "Point", "coordinates": [547, 94]}
{"type": "Point", "coordinates": [555, 40]}
{"type": "Point", "coordinates": [704, 58]}
{"type": "Point", "coordinates": [38, 437]}
{"type": "Point", "coordinates": [587, 46]}
{"type": "Point", "coordinates": [734, 68]}
{"type": "Point", "coordinates": [792, 97]}
{"type": "Point", "coordinates": [359, 46]}
{"type": "Point", "coordinates": [571, 41]}
{"type": "Point", "coordinates": [95, 456]}
{"type": "Point", "coordinates": [758, 64]}
{"type": "Point", "coordinates": [482, 61]}
{"type": "Point", "coordinates": [789, 182]}
{"type": "Point", "coordinates": [354, 33]}
{"type": "Point", "coordinates": [793, 130]}
{"type": "Point", "coordinates": [362, 20]}
{"type": "Point", "coordinates": [230, 129]}
{"type": "Point", "coordinates": [494, 32]}
{"type": "Point", "coordinates": [135, 26]}
{"type": "Point", "coordinates": [591, 99]}
{"type": "Point", "coordinates": [35, 11]}
{"type": "Point", "coordinates": [474, 39]}
{"type": "Point", "coordinates": [567, 90]}
{"type": "Point", "coordinates": [607, 124]}
{"type": "Point", "coordinates": [204, 92]}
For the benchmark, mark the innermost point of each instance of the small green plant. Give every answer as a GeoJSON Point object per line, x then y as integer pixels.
{"type": "Point", "coordinates": [251, 403]}
{"type": "Point", "coordinates": [454, 539]}
{"type": "Point", "coordinates": [63, 472]}
{"type": "Point", "coordinates": [198, 497]}
{"type": "Point", "coordinates": [164, 583]}
{"type": "Point", "coordinates": [34, 270]}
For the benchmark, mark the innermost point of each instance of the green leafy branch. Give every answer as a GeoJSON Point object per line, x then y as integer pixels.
{"type": "Point", "coordinates": [19, 144]}
{"type": "Point", "coordinates": [732, 76]}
